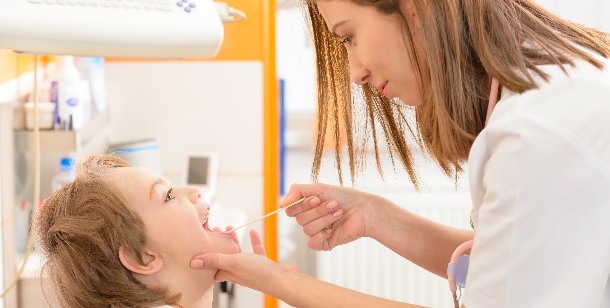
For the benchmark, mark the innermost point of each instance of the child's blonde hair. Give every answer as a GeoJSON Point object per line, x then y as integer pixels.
{"type": "Point", "coordinates": [80, 229]}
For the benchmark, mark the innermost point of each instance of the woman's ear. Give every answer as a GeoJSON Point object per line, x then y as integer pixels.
{"type": "Point", "coordinates": [153, 262]}
{"type": "Point", "coordinates": [408, 10]}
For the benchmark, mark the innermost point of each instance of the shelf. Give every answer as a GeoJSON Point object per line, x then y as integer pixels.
{"type": "Point", "coordinates": [92, 138]}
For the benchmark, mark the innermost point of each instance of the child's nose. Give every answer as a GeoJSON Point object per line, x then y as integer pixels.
{"type": "Point", "coordinates": [195, 196]}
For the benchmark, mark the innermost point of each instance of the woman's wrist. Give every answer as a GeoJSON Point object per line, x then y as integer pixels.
{"type": "Point", "coordinates": [288, 283]}
{"type": "Point", "coordinates": [376, 216]}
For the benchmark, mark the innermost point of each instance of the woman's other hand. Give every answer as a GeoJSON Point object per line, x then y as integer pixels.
{"type": "Point", "coordinates": [330, 215]}
{"type": "Point", "coordinates": [252, 270]}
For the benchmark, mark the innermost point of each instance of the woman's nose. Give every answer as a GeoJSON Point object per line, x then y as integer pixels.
{"type": "Point", "coordinates": [358, 73]}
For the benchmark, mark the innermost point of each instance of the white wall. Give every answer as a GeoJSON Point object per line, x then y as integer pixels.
{"type": "Point", "coordinates": [2, 218]}
{"type": "Point", "coordinates": [295, 61]}
{"type": "Point", "coordinates": [10, 92]}
{"type": "Point", "coordinates": [594, 13]}
{"type": "Point", "coordinates": [197, 106]}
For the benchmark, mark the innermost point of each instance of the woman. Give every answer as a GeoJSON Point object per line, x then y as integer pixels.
{"type": "Point", "coordinates": [539, 163]}
{"type": "Point", "coordinates": [120, 236]}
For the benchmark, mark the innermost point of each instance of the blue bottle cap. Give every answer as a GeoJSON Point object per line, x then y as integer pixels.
{"type": "Point", "coordinates": [67, 164]}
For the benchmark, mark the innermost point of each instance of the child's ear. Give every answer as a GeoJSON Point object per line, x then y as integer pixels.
{"type": "Point", "coordinates": [152, 262]}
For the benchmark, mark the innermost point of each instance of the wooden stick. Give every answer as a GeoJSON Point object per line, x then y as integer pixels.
{"type": "Point", "coordinates": [266, 215]}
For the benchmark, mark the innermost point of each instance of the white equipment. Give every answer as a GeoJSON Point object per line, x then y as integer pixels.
{"type": "Point", "coordinates": [161, 29]}
{"type": "Point", "coordinates": [202, 172]}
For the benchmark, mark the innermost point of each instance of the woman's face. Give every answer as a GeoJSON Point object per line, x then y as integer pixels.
{"type": "Point", "coordinates": [376, 48]}
{"type": "Point", "coordinates": [175, 219]}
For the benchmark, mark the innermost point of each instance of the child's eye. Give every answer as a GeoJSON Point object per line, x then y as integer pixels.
{"type": "Point", "coordinates": [169, 196]}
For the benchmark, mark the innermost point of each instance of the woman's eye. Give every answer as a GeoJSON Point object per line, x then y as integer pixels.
{"type": "Point", "coordinates": [346, 39]}
{"type": "Point", "coordinates": [169, 196]}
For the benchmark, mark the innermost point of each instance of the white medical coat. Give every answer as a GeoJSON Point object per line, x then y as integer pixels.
{"type": "Point", "coordinates": [540, 183]}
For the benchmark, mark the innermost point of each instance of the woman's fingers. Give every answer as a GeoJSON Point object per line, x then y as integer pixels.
{"type": "Point", "coordinates": [298, 191]}
{"type": "Point", "coordinates": [310, 215]}
{"type": "Point", "coordinates": [320, 240]}
{"type": "Point", "coordinates": [218, 261]}
{"type": "Point", "coordinates": [247, 269]}
{"type": "Point", "coordinates": [257, 243]}
{"type": "Point", "coordinates": [322, 223]}
{"type": "Point", "coordinates": [210, 260]}
{"type": "Point", "coordinates": [305, 205]}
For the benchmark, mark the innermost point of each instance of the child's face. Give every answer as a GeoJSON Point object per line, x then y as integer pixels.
{"type": "Point", "coordinates": [174, 217]}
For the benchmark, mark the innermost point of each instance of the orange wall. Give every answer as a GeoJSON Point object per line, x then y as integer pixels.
{"type": "Point", "coordinates": [12, 65]}
{"type": "Point", "coordinates": [244, 40]}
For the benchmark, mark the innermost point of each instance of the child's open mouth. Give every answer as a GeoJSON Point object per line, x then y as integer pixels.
{"type": "Point", "coordinates": [206, 219]}
{"type": "Point", "coordinates": [206, 226]}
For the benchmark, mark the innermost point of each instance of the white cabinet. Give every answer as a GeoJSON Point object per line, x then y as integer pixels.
{"type": "Point", "coordinates": [92, 138]}
{"type": "Point", "coordinates": [7, 189]}
{"type": "Point", "coordinates": [19, 144]}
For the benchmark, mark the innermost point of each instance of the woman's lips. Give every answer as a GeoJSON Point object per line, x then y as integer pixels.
{"type": "Point", "coordinates": [383, 88]}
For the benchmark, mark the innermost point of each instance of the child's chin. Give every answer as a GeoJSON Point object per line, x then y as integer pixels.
{"type": "Point", "coordinates": [224, 243]}
{"type": "Point", "coordinates": [228, 248]}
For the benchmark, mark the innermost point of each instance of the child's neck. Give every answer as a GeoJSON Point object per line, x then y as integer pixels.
{"type": "Point", "coordinates": [196, 286]}
{"type": "Point", "coordinates": [196, 300]}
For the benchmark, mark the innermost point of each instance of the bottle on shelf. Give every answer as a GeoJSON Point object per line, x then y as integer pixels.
{"type": "Point", "coordinates": [70, 93]}
{"type": "Point", "coordinates": [92, 70]}
{"type": "Point", "coordinates": [66, 174]}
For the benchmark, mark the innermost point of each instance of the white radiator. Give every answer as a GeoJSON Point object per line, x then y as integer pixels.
{"type": "Point", "coordinates": [369, 267]}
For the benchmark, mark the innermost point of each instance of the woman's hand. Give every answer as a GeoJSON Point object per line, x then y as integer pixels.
{"type": "Point", "coordinates": [330, 215]}
{"type": "Point", "coordinates": [252, 270]}
{"type": "Point", "coordinates": [257, 272]}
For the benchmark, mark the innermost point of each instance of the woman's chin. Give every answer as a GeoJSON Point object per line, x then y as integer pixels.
{"type": "Point", "coordinates": [409, 100]}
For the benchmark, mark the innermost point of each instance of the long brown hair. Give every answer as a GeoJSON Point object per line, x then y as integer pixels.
{"type": "Point", "coordinates": [464, 45]}
{"type": "Point", "coordinates": [80, 229]}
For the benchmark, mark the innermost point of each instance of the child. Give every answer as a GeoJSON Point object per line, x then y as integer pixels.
{"type": "Point", "coordinates": [120, 236]}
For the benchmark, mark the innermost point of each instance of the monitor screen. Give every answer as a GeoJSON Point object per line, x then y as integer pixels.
{"type": "Point", "coordinates": [198, 170]}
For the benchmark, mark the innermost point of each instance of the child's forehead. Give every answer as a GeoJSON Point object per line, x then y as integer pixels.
{"type": "Point", "coordinates": [129, 178]}
{"type": "Point", "coordinates": [137, 185]}
{"type": "Point", "coordinates": [132, 172]}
